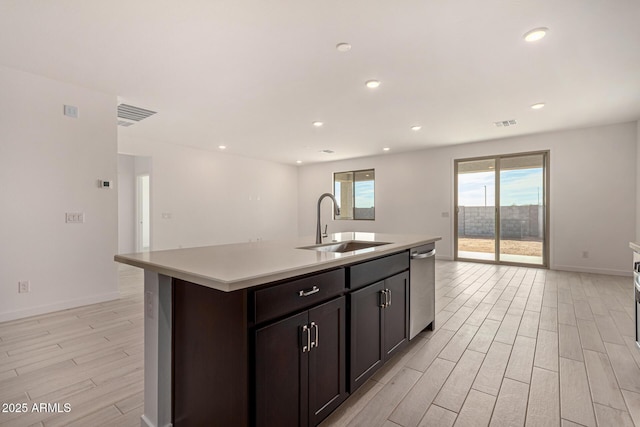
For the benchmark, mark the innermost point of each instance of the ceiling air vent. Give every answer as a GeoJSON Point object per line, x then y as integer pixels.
{"type": "Point", "coordinates": [124, 123]}
{"type": "Point", "coordinates": [327, 151]}
{"type": "Point", "coordinates": [129, 112]}
{"type": "Point", "coordinates": [505, 123]}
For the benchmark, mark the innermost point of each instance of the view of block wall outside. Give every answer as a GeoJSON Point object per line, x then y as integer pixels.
{"type": "Point", "coordinates": [516, 222]}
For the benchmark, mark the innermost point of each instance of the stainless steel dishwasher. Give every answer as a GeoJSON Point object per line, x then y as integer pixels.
{"type": "Point", "coordinates": [422, 310]}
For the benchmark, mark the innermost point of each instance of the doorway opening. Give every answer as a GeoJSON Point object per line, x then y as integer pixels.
{"type": "Point", "coordinates": [502, 209]}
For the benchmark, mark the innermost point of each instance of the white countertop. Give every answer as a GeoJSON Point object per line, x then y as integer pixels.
{"type": "Point", "coordinates": [635, 246]}
{"type": "Point", "coordinates": [243, 265]}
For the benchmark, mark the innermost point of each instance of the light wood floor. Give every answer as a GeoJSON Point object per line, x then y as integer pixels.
{"type": "Point", "coordinates": [512, 346]}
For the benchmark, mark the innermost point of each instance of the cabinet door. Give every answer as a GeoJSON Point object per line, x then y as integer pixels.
{"type": "Point", "coordinates": [282, 373]}
{"type": "Point", "coordinates": [365, 325]}
{"type": "Point", "coordinates": [396, 319]}
{"type": "Point", "coordinates": [327, 360]}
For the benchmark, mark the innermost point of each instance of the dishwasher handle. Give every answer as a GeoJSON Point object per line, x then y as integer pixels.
{"type": "Point", "coordinates": [421, 255]}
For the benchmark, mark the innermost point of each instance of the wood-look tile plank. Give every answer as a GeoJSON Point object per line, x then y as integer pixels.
{"type": "Point", "coordinates": [623, 322]}
{"type": "Point", "coordinates": [384, 402]}
{"type": "Point", "coordinates": [484, 337]}
{"type": "Point", "coordinates": [457, 320]}
{"type": "Point", "coordinates": [582, 310]}
{"type": "Point", "coordinates": [351, 407]}
{"type": "Point", "coordinates": [624, 366]}
{"type": "Point", "coordinates": [597, 306]}
{"type": "Point", "coordinates": [566, 314]}
{"type": "Point", "coordinates": [476, 410]}
{"type": "Point", "coordinates": [388, 371]}
{"type": "Point", "coordinates": [569, 342]}
{"type": "Point", "coordinates": [480, 314]}
{"type": "Point", "coordinates": [511, 406]}
{"type": "Point", "coordinates": [543, 409]}
{"type": "Point", "coordinates": [430, 350]}
{"type": "Point", "coordinates": [104, 416]}
{"type": "Point", "coordinates": [413, 407]}
{"type": "Point", "coordinates": [499, 310]}
{"type": "Point", "coordinates": [602, 380]}
{"type": "Point", "coordinates": [458, 344]}
{"type": "Point", "coordinates": [508, 329]}
{"type": "Point", "coordinates": [455, 389]}
{"type": "Point", "coordinates": [546, 355]}
{"type": "Point", "coordinates": [438, 417]}
{"type": "Point", "coordinates": [589, 336]}
{"type": "Point", "coordinates": [610, 417]}
{"type": "Point", "coordinates": [529, 324]}
{"type": "Point", "coordinates": [608, 330]}
{"type": "Point", "coordinates": [575, 398]}
{"type": "Point", "coordinates": [633, 348]}
{"type": "Point", "coordinates": [550, 299]}
{"type": "Point", "coordinates": [632, 400]}
{"type": "Point", "coordinates": [521, 360]}
{"type": "Point", "coordinates": [490, 375]}
{"type": "Point", "coordinates": [549, 319]}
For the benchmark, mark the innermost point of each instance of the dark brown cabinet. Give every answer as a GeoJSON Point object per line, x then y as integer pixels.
{"type": "Point", "coordinates": [285, 353]}
{"type": "Point", "coordinates": [378, 325]}
{"type": "Point", "coordinates": [300, 366]}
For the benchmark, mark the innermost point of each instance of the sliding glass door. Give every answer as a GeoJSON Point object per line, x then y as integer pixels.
{"type": "Point", "coordinates": [501, 210]}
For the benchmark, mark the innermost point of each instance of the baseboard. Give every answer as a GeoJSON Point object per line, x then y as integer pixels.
{"type": "Point", "coordinates": [63, 305]}
{"type": "Point", "coordinates": [145, 422]}
{"type": "Point", "coordinates": [606, 271]}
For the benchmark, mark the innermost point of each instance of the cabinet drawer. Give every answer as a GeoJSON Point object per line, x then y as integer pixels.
{"type": "Point", "coordinates": [372, 271]}
{"type": "Point", "coordinates": [297, 294]}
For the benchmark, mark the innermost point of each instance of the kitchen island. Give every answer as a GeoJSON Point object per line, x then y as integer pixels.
{"type": "Point", "coordinates": [270, 332]}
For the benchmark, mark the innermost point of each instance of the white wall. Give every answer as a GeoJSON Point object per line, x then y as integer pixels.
{"type": "Point", "coordinates": [637, 181]}
{"type": "Point", "coordinates": [49, 165]}
{"type": "Point", "coordinates": [592, 191]}
{"type": "Point", "coordinates": [215, 198]}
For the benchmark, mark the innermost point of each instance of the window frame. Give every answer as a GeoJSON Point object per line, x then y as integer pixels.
{"type": "Point", "coordinates": [353, 202]}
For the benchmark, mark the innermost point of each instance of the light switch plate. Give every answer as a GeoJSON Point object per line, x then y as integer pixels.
{"type": "Point", "coordinates": [71, 111]}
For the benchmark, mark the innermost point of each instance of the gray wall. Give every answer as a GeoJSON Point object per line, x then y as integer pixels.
{"type": "Point", "coordinates": [516, 222]}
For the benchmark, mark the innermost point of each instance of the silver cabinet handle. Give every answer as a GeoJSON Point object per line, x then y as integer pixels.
{"type": "Point", "coordinates": [389, 296]}
{"type": "Point", "coordinates": [383, 298]}
{"type": "Point", "coordinates": [422, 255]}
{"type": "Point", "coordinates": [311, 291]}
{"type": "Point", "coordinates": [316, 334]}
{"type": "Point", "coordinates": [305, 331]}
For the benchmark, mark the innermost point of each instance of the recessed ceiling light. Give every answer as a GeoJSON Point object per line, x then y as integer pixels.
{"type": "Point", "coordinates": [318, 124]}
{"type": "Point", "coordinates": [298, 161]}
{"type": "Point", "coordinates": [386, 149]}
{"type": "Point", "coordinates": [416, 127]}
{"type": "Point", "coordinates": [537, 106]}
{"type": "Point", "coordinates": [372, 84]}
{"type": "Point", "coordinates": [536, 34]}
{"type": "Point", "coordinates": [222, 147]}
{"type": "Point", "coordinates": [343, 47]}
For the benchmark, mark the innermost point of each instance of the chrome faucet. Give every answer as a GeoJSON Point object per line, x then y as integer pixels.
{"type": "Point", "coordinates": [336, 209]}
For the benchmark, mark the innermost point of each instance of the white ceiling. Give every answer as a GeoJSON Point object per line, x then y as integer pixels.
{"type": "Point", "coordinates": [254, 74]}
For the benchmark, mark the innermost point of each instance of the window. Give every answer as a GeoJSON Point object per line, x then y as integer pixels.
{"type": "Point", "coordinates": [355, 193]}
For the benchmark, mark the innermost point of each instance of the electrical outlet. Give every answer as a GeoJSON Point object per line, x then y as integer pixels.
{"type": "Point", "coordinates": [585, 254]}
{"type": "Point", "coordinates": [445, 214]}
{"type": "Point", "coordinates": [74, 217]}
{"type": "Point", "coordinates": [24, 286]}
{"type": "Point", "coordinates": [149, 304]}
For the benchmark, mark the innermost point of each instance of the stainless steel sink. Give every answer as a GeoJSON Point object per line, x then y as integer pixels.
{"type": "Point", "coordinates": [347, 246]}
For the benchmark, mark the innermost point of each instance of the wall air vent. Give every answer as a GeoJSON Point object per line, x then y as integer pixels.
{"type": "Point", "coordinates": [124, 123]}
{"type": "Point", "coordinates": [136, 114]}
{"type": "Point", "coordinates": [505, 123]}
